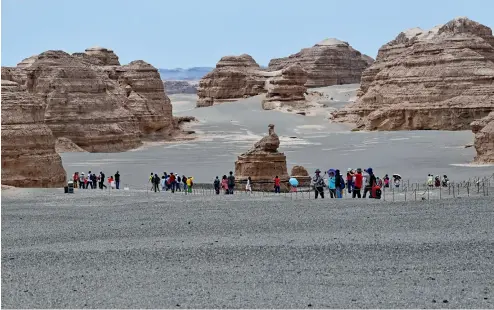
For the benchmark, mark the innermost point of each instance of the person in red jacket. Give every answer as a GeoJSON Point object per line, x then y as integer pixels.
{"type": "Point", "coordinates": [357, 183]}
{"type": "Point", "coordinates": [277, 183]}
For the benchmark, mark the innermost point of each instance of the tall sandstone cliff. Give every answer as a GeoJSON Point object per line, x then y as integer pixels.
{"type": "Point", "coordinates": [28, 145]}
{"type": "Point", "coordinates": [329, 62]}
{"type": "Point", "coordinates": [440, 79]}
{"type": "Point", "coordinates": [95, 102]}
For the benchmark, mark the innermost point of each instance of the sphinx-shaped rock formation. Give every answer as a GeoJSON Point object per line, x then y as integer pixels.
{"type": "Point", "coordinates": [235, 77]}
{"type": "Point", "coordinates": [262, 163]}
{"type": "Point", "coordinates": [330, 62]}
{"type": "Point", "coordinates": [440, 79]}
{"type": "Point", "coordinates": [484, 139]}
{"type": "Point", "coordinates": [28, 145]}
{"type": "Point", "coordinates": [94, 102]}
{"type": "Point", "coordinates": [286, 86]}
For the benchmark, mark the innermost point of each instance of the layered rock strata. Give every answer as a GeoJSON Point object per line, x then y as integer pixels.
{"type": "Point", "coordinates": [235, 77]}
{"type": "Point", "coordinates": [484, 139]}
{"type": "Point", "coordinates": [441, 79]}
{"type": "Point", "coordinates": [329, 62]}
{"type": "Point", "coordinates": [28, 145]}
{"type": "Point", "coordinates": [286, 87]}
{"type": "Point", "coordinates": [146, 99]}
{"type": "Point", "coordinates": [82, 103]}
{"type": "Point", "coordinates": [262, 163]}
{"type": "Point", "coordinates": [94, 102]}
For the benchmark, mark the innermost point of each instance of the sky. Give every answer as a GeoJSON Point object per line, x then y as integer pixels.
{"type": "Point", "coordinates": [189, 33]}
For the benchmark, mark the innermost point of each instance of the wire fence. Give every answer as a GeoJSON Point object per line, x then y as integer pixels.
{"type": "Point", "coordinates": [407, 191]}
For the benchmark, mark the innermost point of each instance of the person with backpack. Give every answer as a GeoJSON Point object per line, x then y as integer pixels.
{"type": "Point", "coordinates": [94, 181]}
{"type": "Point", "coordinates": [101, 180]}
{"type": "Point", "coordinates": [277, 183]}
{"type": "Point", "coordinates": [370, 183]}
{"type": "Point", "coordinates": [318, 184]}
{"type": "Point", "coordinates": [184, 181]}
{"type": "Point", "coordinates": [216, 185]}
{"type": "Point", "coordinates": [339, 184]}
{"type": "Point", "coordinates": [156, 183]}
{"type": "Point", "coordinates": [357, 183]}
{"type": "Point", "coordinates": [231, 183]}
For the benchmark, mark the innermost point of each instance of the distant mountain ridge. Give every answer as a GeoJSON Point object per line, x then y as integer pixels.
{"type": "Point", "coordinates": [187, 74]}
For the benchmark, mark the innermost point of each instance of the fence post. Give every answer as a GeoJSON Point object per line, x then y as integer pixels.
{"type": "Point", "coordinates": [428, 194]}
{"type": "Point", "coordinates": [440, 193]}
{"type": "Point", "coordinates": [415, 190]}
{"type": "Point", "coordinates": [458, 193]}
{"type": "Point", "coordinates": [393, 193]}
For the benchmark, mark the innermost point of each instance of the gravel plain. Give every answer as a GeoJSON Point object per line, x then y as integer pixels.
{"type": "Point", "coordinates": [136, 250]}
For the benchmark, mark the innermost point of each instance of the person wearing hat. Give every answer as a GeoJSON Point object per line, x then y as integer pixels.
{"type": "Point", "coordinates": [357, 183]}
{"type": "Point", "coordinates": [349, 180]}
{"type": "Point", "coordinates": [318, 184]}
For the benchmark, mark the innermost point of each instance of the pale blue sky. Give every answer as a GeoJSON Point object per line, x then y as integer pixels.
{"type": "Point", "coordinates": [186, 33]}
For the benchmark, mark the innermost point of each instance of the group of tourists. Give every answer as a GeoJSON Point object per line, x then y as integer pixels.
{"type": "Point", "coordinates": [436, 181]}
{"type": "Point", "coordinates": [93, 181]}
{"type": "Point", "coordinates": [171, 182]}
{"type": "Point", "coordinates": [227, 184]}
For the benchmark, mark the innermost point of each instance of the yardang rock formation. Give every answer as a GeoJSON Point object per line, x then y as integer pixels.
{"type": "Point", "coordinates": [28, 146]}
{"type": "Point", "coordinates": [287, 86]}
{"type": "Point", "coordinates": [329, 62]}
{"type": "Point", "coordinates": [440, 79]}
{"type": "Point", "coordinates": [95, 102]}
{"type": "Point", "coordinates": [235, 77]}
{"type": "Point", "coordinates": [262, 163]}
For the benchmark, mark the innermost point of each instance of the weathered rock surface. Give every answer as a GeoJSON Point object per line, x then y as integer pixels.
{"type": "Point", "coordinates": [180, 87]}
{"type": "Point", "coordinates": [146, 99]}
{"type": "Point", "coordinates": [440, 79]}
{"type": "Point", "coordinates": [235, 77]}
{"type": "Point", "coordinates": [82, 103]}
{"type": "Point", "coordinates": [262, 163]}
{"type": "Point", "coordinates": [287, 86]}
{"type": "Point", "coordinates": [484, 139]}
{"type": "Point", "coordinates": [330, 62]}
{"type": "Point", "coordinates": [28, 145]}
{"type": "Point", "coordinates": [94, 102]}
{"type": "Point", "coordinates": [302, 176]}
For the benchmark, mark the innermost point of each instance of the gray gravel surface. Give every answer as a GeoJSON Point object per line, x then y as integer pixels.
{"type": "Point", "coordinates": [132, 250]}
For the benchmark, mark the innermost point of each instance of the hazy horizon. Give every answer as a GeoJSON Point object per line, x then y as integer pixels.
{"type": "Point", "coordinates": [184, 34]}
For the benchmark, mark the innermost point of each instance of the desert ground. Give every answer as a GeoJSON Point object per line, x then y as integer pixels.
{"type": "Point", "coordinates": [132, 250]}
